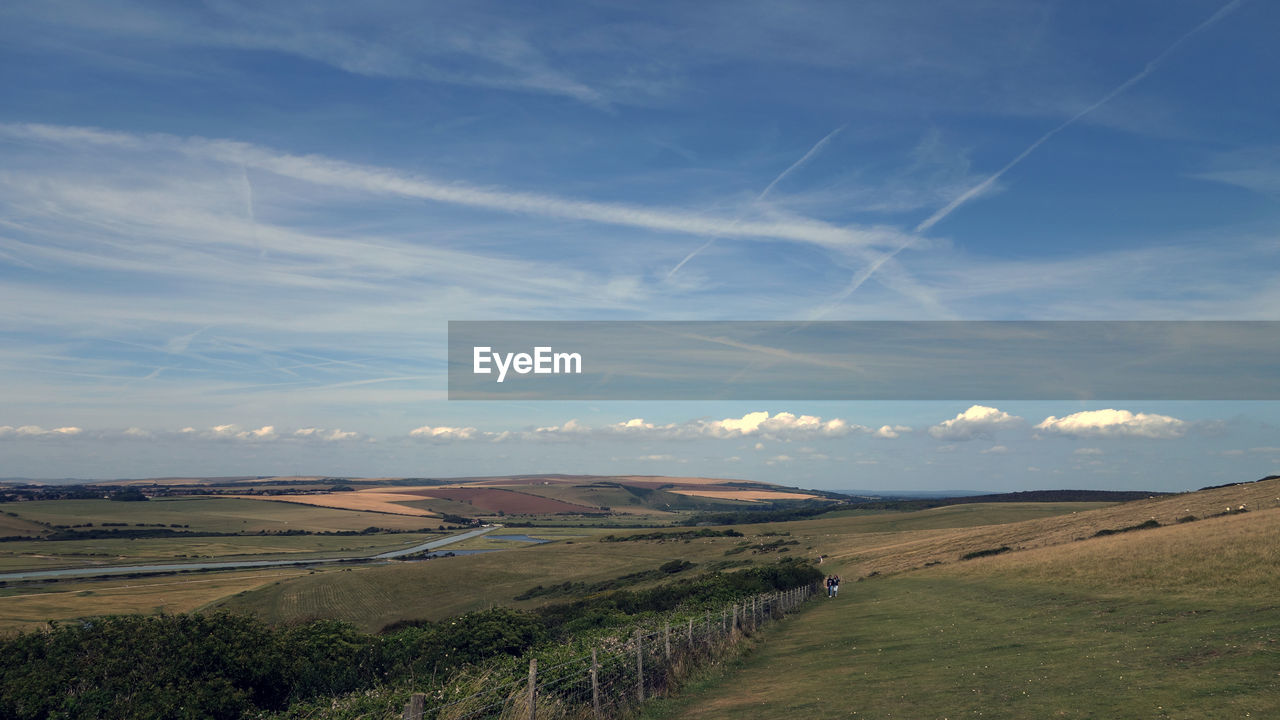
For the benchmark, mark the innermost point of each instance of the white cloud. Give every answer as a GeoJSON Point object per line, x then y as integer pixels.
{"type": "Point", "coordinates": [1115, 423]}
{"type": "Point", "coordinates": [266, 432]}
{"type": "Point", "coordinates": [1088, 451]}
{"type": "Point", "coordinates": [977, 421]}
{"type": "Point", "coordinates": [444, 433]}
{"type": "Point", "coordinates": [315, 433]}
{"type": "Point", "coordinates": [220, 433]}
{"type": "Point", "coordinates": [35, 431]}
{"type": "Point", "coordinates": [781, 426]}
{"type": "Point", "coordinates": [233, 432]}
{"type": "Point", "coordinates": [891, 432]}
{"type": "Point", "coordinates": [996, 450]}
{"type": "Point", "coordinates": [761, 424]}
{"type": "Point", "coordinates": [332, 173]}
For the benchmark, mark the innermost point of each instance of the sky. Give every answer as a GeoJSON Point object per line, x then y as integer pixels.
{"type": "Point", "coordinates": [232, 234]}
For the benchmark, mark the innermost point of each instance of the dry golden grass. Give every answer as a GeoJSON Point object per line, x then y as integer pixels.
{"type": "Point", "coordinates": [1223, 556]}
{"type": "Point", "coordinates": [373, 500]}
{"type": "Point", "coordinates": [82, 598]}
{"type": "Point", "coordinates": [863, 554]}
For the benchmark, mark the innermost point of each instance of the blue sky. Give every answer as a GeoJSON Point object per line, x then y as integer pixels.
{"type": "Point", "coordinates": [232, 234]}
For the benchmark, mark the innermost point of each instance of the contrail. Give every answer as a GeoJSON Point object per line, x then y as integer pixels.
{"type": "Point", "coordinates": [857, 281]}
{"type": "Point", "coordinates": [1147, 70]}
{"type": "Point", "coordinates": [807, 156]}
{"type": "Point", "coordinates": [248, 207]}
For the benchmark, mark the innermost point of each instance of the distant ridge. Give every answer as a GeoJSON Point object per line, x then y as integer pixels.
{"type": "Point", "coordinates": [889, 502]}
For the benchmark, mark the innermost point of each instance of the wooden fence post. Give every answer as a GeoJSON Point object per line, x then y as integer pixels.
{"type": "Point", "coordinates": [639, 665]}
{"type": "Point", "coordinates": [734, 624]}
{"type": "Point", "coordinates": [533, 688]}
{"type": "Point", "coordinates": [708, 627]}
{"type": "Point", "coordinates": [595, 684]}
{"type": "Point", "coordinates": [689, 633]}
{"type": "Point", "coordinates": [416, 706]}
{"type": "Point", "coordinates": [666, 640]}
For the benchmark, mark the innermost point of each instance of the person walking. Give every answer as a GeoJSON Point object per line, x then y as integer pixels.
{"type": "Point", "coordinates": [835, 585]}
{"type": "Point", "coordinates": [829, 586]}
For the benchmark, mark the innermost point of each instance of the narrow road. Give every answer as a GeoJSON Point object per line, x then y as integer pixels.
{"type": "Point", "coordinates": [178, 567]}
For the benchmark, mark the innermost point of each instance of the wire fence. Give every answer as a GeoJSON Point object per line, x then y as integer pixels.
{"type": "Point", "coordinates": [616, 676]}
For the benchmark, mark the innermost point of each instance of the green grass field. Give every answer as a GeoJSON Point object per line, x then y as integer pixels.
{"type": "Point", "coordinates": [30, 606]}
{"type": "Point", "coordinates": [856, 544]}
{"type": "Point", "coordinates": [375, 596]}
{"type": "Point", "coordinates": [1177, 622]}
{"type": "Point", "coordinates": [211, 514]}
{"type": "Point", "coordinates": [47, 555]}
{"type": "Point", "coordinates": [10, 525]}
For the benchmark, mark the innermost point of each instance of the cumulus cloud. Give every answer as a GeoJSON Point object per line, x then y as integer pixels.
{"type": "Point", "coordinates": [781, 425]}
{"type": "Point", "coordinates": [996, 450]}
{"type": "Point", "coordinates": [760, 424]}
{"type": "Point", "coordinates": [891, 432]}
{"type": "Point", "coordinates": [444, 433]}
{"type": "Point", "coordinates": [233, 432]}
{"type": "Point", "coordinates": [35, 431]}
{"type": "Point", "coordinates": [1115, 423]}
{"type": "Point", "coordinates": [229, 432]}
{"type": "Point", "coordinates": [315, 433]}
{"type": "Point", "coordinates": [979, 421]}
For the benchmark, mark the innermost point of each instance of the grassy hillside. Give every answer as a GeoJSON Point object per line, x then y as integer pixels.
{"type": "Point", "coordinates": [48, 555]}
{"type": "Point", "coordinates": [210, 514]}
{"type": "Point", "coordinates": [895, 552]}
{"type": "Point", "coordinates": [1172, 622]}
{"type": "Point", "coordinates": [27, 607]}
{"type": "Point", "coordinates": [11, 524]}
{"type": "Point", "coordinates": [374, 596]}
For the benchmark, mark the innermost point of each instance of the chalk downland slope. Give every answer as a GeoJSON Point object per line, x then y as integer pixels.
{"type": "Point", "coordinates": [1179, 621]}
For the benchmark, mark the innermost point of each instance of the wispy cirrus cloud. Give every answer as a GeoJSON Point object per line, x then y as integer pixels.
{"type": "Point", "coordinates": [333, 173]}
